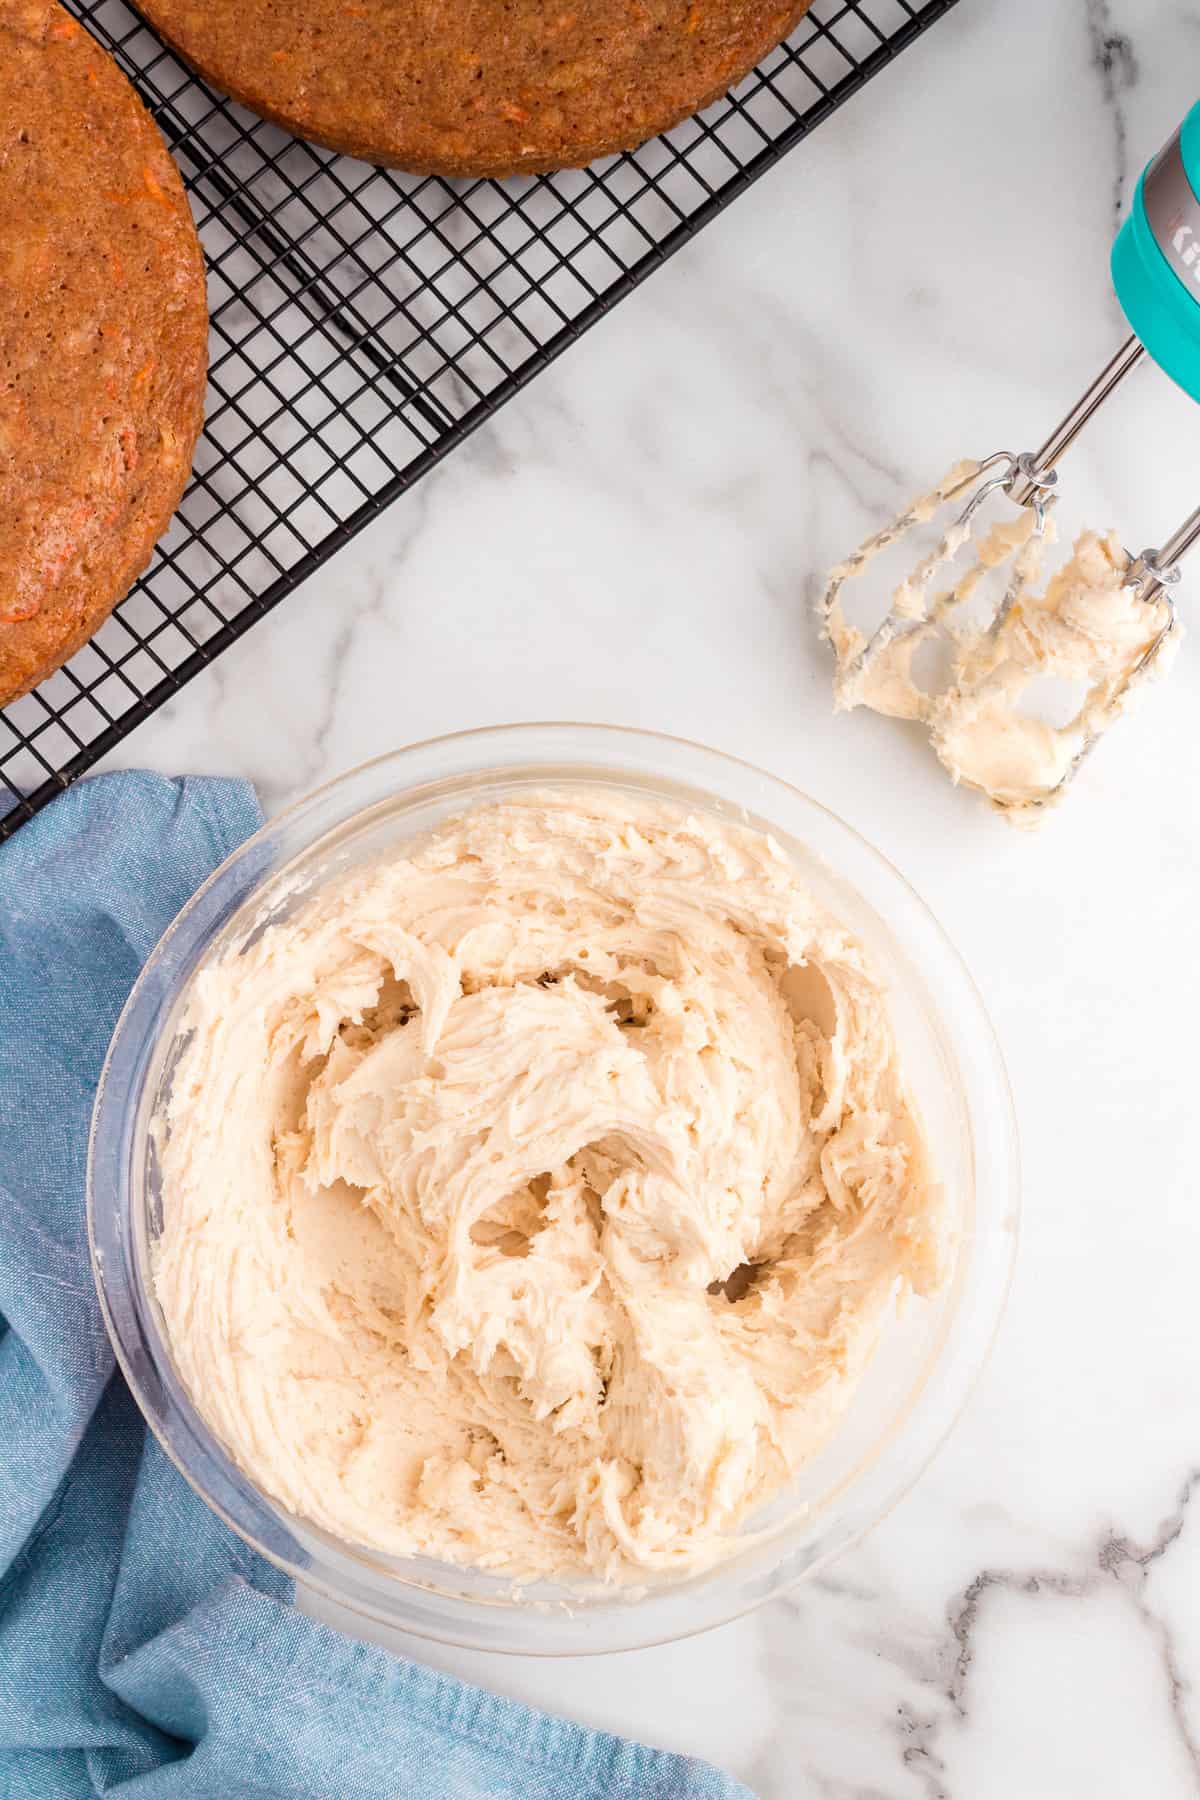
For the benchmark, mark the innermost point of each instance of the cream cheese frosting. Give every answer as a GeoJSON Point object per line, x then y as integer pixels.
{"type": "Point", "coordinates": [1084, 629]}
{"type": "Point", "coordinates": [534, 1199]}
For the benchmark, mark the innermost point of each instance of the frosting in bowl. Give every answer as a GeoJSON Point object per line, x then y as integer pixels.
{"type": "Point", "coordinates": [534, 1198]}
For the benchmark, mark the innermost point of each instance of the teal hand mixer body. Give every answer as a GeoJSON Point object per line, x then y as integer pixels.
{"type": "Point", "coordinates": [1156, 273]}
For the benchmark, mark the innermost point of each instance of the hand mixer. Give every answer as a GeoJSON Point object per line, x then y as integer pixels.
{"type": "Point", "coordinates": [1156, 274]}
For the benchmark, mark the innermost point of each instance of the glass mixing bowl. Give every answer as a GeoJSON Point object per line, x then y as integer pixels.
{"type": "Point", "coordinates": [930, 1354]}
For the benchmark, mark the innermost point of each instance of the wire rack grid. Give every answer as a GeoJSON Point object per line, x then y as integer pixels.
{"type": "Point", "coordinates": [364, 322]}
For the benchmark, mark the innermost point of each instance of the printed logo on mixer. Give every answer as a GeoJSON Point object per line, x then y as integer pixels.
{"type": "Point", "coordinates": [1187, 252]}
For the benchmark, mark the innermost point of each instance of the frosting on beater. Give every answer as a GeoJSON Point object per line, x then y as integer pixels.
{"type": "Point", "coordinates": [1083, 626]}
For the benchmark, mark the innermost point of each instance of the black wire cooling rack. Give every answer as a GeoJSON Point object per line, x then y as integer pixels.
{"type": "Point", "coordinates": [364, 322]}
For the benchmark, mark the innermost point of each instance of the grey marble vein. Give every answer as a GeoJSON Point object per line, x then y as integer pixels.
{"type": "Point", "coordinates": [1116, 1557]}
{"type": "Point", "coordinates": [1115, 63]}
{"type": "Point", "coordinates": [1131, 1563]}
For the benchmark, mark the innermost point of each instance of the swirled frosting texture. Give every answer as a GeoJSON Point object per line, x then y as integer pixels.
{"type": "Point", "coordinates": [533, 1200]}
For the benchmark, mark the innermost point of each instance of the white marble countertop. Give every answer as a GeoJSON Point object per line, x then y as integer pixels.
{"type": "Point", "coordinates": [636, 539]}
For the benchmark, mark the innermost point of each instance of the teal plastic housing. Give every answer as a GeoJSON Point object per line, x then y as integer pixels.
{"type": "Point", "coordinates": [1161, 308]}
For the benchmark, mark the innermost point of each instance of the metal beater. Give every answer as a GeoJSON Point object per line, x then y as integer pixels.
{"type": "Point", "coordinates": [1156, 274]}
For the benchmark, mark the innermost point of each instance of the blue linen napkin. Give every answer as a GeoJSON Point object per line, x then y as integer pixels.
{"type": "Point", "coordinates": [144, 1650]}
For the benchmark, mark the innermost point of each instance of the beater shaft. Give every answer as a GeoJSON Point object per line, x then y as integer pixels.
{"type": "Point", "coordinates": [1159, 569]}
{"type": "Point", "coordinates": [1044, 461]}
